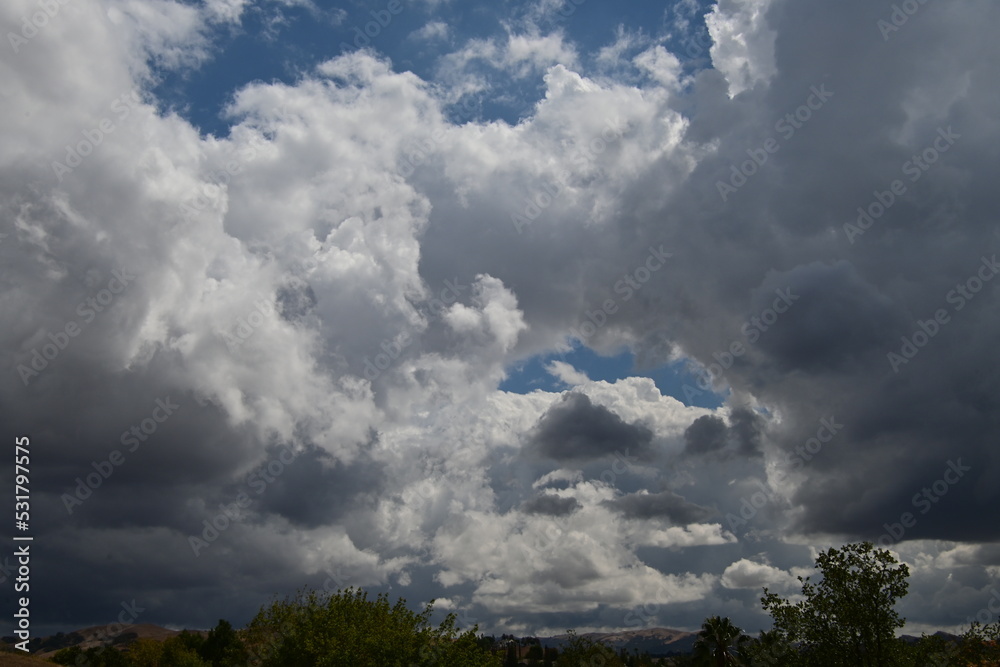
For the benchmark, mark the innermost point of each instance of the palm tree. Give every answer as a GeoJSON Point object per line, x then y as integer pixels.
{"type": "Point", "coordinates": [717, 641]}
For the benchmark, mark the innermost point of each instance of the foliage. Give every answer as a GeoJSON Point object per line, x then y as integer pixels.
{"type": "Point", "coordinates": [99, 656]}
{"type": "Point", "coordinates": [347, 629]}
{"type": "Point", "coordinates": [933, 651]}
{"type": "Point", "coordinates": [718, 642]}
{"type": "Point", "coordinates": [848, 618]}
{"type": "Point", "coordinates": [980, 644]}
{"type": "Point", "coordinates": [585, 652]}
{"type": "Point", "coordinates": [169, 653]}
{"type": "Point", "coordinates": [222, 647]}
{"type": "Point", "coordinates": [770, 649]}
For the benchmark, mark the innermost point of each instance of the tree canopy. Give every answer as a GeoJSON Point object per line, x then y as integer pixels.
{"type": "Point", "coordinates": [346, 629]}
{"type": "Point", "coordinates": [718, 643]}
{"type": "Point", "coordinates": [847, 618]}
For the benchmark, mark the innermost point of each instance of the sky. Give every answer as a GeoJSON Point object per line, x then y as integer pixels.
{"type": "Point", "coordinates": [563, 313]}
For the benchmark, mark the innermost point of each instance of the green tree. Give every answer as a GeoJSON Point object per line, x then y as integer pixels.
{"type": "Point", "coordinates": [98, 656]}
{"type": "Point", "coordinates": [510, 657]}
{"type": "Point", "coordinates": [980, 644]}
{"type": "Point", "coordinates": [718, 642]}
{"type": "Point", "coordinates": [586, 652]}
{"type": "Point", "coordinates": [770, 649]}
{"type": "Point", "coordinates": [848, 618]}
{"type": "Point", "coordinates": [223, 647]}
{"type": "Point", "coordinates": [346, 629]}
{"type": "Point", "coordinates": [935, 651]}
{"type": "Point", "coordinates": [191, 640]}
{"type": "Point", "coordinates": [535, 654]}
{"type": "Point", "coordinates": [168, 653]}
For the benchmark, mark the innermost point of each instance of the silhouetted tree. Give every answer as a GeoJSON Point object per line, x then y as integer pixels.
{"type": "Point", "coordinates": [718, 642]}
{"type": "Point", "coordinates": [848, 618]}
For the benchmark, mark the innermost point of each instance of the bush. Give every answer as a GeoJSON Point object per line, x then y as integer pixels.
{"type": "Point", "coordinates": [346, 629]}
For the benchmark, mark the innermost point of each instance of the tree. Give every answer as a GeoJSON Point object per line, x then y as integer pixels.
{"type": "Point", "coordinates": [345, 629]}
{"type": "Point", "coordinates": [980, 644]}
{"type": "Point", "coordinates": [936, 651]}
{"type": "Point", "coordinates": [535, 654]}
{"type": "Point", "coordinates": [848, 618]}
{"type": "Point", "coordinates": [171, 652]}
{"type": "Point", "coordinates": [718, 642]}
{"type": "Point", "coordinates": [96, 656]}
{"type": "Point", "coordinates": [586, 652]}
{"type": "Point", "coordinates": [510, 659]}
{"type": "Point", "coordinates": [770, 649]}
{"type": "Point", "coordinates": [223, 647]}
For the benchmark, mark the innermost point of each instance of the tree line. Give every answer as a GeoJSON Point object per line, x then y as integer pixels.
{"type": "Point", "coordinates": [845, 619]}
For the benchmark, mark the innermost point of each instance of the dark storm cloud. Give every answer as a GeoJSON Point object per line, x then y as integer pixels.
{"type": "Point", "coordinates": [984, 554]}
{"type": "Point", "coordinates": [550, 505]}
{"type": "Point", "coordinates": [827, 356]}
{"type": "Point", "coordinates": [706, 434]}
{"type": "Point", "coordinates": [575, 429]}
{"type": "Point", "coordinates": [315, 489]}
{"type": "Point", "coordinates": [837, 320]}
{"type": "Point", "coordinates": [662, 505]}
{"type": "Point", "coordinates": [709, 434]}
{"type": "Point", "coordinates": [746, 427]}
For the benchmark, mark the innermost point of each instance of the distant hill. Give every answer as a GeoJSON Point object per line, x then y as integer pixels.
{"type": "Point", "coordinates": [655, 641]}
{"type": "Point", "coordinates": [15, 658]}
{"type": "Point", "coordinates": [947, 636]}
{"type": "Point", "coordinates": [46, 647]}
